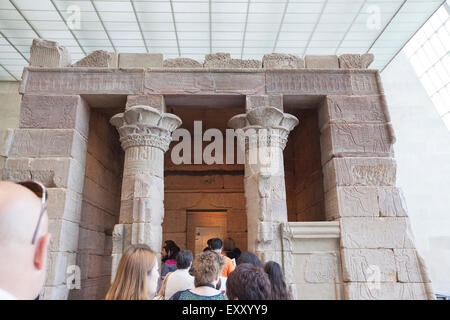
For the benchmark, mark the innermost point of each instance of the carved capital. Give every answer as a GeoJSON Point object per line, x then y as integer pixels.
{"type": "Point", "coordinates": [264, 127]}
{"type": "Point", "coordinates": [145, 126]}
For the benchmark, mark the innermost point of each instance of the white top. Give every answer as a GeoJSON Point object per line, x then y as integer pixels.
{"type": "Point", "coordinates": [5, 295]}
{"type": "Point", "coordinates": [178, 280]}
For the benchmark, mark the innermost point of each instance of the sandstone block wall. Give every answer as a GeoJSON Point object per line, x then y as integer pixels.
{"type": "Point", "coordinates": [99, 208]}
{"type": "Point", "coordinates": [379, 259]}
{"type": "Point", "coordinates": [303, 169]}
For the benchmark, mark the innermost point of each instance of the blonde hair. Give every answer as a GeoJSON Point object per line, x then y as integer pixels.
{"type": "Point", "coordinates": [207, 265]}
{"type": "Point", "coordinates": [130, 282]}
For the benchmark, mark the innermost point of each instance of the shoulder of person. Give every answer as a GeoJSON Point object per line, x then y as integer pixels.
{"type": "Point", "coordinates": [176, 295]}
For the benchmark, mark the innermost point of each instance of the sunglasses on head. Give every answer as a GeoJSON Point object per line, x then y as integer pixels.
{"type": "Point", "coordinates": [41, 192]}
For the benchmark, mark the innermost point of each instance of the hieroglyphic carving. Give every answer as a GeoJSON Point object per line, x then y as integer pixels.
{"type": "Point", "coordinates": [321, 267]}
{"type": "Point", "coordinates": [83, 80]}
{"type": "Point", "coordinates": [307, 82]}
{"type": "Point", "coordinates": [195, 82]}
{"type": "Point", "coordinates": [364, 83]}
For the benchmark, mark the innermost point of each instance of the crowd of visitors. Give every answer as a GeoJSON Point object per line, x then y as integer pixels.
{"type": "Point", "coordinates": [220, 272]}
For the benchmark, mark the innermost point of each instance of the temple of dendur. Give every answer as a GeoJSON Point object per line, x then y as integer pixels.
{"type": "Point", "coordinates": [98, 133]}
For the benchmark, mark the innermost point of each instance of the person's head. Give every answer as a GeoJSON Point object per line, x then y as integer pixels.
{"type": "Point", "coordinates": [229, 245]}
{"type": "Point", "coordinates": [248, 282]}
{"type": "Point", "coordinates": [215, 244]}
{"type": "Point", "coordinates": [24, 238]}
{"type": "Point", "coordinates": [166, 248]}
{"type": "Point", "coordinates": [137, 275]}
{"type": "Point", "coordinates": [207, 267]}
{"type": "Point", "coordinates": [248, 257]}
{"type": "Point", "coordinates": [278, 285]}
{"type": "Point", "coordinates": [184, 259]}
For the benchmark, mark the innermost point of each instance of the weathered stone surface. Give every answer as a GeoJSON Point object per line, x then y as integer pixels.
{"type": "Point", "coordinates": [282, 61]}
{"type": "Point", "coordinates": [52, 172]}
{"type": "Point", "coordinates": [359, 172]}
{"type": "Point", "coordinates": [152, 100]}
{"type": "Point", "coordinates": [54, 293]}
{"type": "Point", "coordinates": [64, 235]}
{"type": "Point", "coordinates": [351, 202]}
{"type": "Point", "coordinates": [64, 204]}
{"type": "Point", "coordinates": [6, 139]}
{"type": "Point", "coordinates": [356, 140]}
{"type": "Point", "coordinates": [57, 263]}
{"type": "Point", "coordinates": [55, 112]}
{"type": "Point", "coordinates": [359, 201]}
{"type": "Point", "coordinates": [365, 265]}
{"type": "Point", "coordinates": [82, 81]}
{"type": "Point", "coordinates": [91, 242]}
{"type": "Point", "coordinates": [48, 143]}
{"type": "Point", "coordinates": [352, 109]}
{"type": "Point", "coordinates": [140, 60]}
{"type": "Point", "coordinates": [364, 83]}
{"type": "Point", "coordinates": [308, 81]}
{"type": "Point", "coordinates": [386, 291]}
{"type": "Point", "coordinates": [142, 210]}
{"type": "Point", "coordinates": [317, 267]}
{"type": "Point", "coordinates": [410, 266]}
{"type": "Point", "coordinates": [44, 53]}
{"type": "Point", "coordinates": [374, 233]}
{"type": "Point", "coordinates": [258, 101]}
{"type": "Point", "coordinates": [321, 62]}
{"type": "Point", "coordinates": [355, 61]}
{"type": "Point", "coordinates": [182, 63]}
{"type": "Point", "coordinates": [319, 291]}
{"type": "Point", "coordinates": [223, 60]}
{"type": "Point", "coordinates": [204, 82]}
{"type": "Point", "coordinates": [391, 202]}
{"type": "Point", "coordinates": [98, 59]}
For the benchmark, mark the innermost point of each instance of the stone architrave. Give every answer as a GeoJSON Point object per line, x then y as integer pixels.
{"type": "Point", "coordinates": [145, 134]}
{"type": "Point", "coordinates": [264, 130]}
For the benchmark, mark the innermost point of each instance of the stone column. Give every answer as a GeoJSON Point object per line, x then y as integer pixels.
{"type": "Point", "coordinates": [145, 134]}
{"type": "Point", "coordinates": [265, 129]}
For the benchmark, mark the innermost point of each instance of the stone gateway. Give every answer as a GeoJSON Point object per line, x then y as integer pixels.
{"type": "Point", "coordinates": [98, 134]}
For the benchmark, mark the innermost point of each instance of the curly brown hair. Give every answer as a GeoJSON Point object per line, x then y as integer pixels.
{"type": "Point", "coordinates": [207, 266]}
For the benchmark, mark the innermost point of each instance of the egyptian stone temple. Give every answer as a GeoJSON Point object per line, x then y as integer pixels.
{"type": "Point", "coordinates": [100, 132]}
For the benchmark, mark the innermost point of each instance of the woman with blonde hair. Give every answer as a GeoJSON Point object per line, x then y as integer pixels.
{"type": "Point", "coordinates": [137, 275]}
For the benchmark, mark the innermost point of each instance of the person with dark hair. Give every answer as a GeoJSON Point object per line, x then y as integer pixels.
{"type": "Point", "coordinates": [279, 289]}
{"type": "Point", "coordinates": [165, 250]}
{"type": "Point", "coordinates": [216, 245]}
{"type": "Point", "coordinates": [248, 282]}
{"type": "Point", "coordinates": [229, 248]}
{"type": "Point", "coordinates": [170, 263]}
{"type": "Point", "coordinates": [248, 257]}
{"type": "Point", "coordinates": [180, 279]}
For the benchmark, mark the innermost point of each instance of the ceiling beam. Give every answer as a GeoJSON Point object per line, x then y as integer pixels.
{"type": "Point", "coordinates": [210, 27]}
{"type": "Point", "coordinates": [245, 29]}
{"type": "Point", "coordinates": [401, 48]}
{"type": "Point", "coordinates": [103, 25]}
{"type": "Point", "coordinates": [70, 30]}
{"type": "Point", "coordinates": [139, 25]}
{"type": "Point", "coordinates": [350, 27]}
{"type": "Point", "coordinates": [387, 24]}
{"type": "Point", "coordinates": [24, 18]}
{"type": "Point", "coordinates": [1, 65]}
{"type": "Point", "coordinates": [175, 28]}
{"type": "Point", "coordinates": [281, 26]}
{"type": "Point", "coordinates": [322, 10]}
{"type": "Point", "coordinates": [15, 48]}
